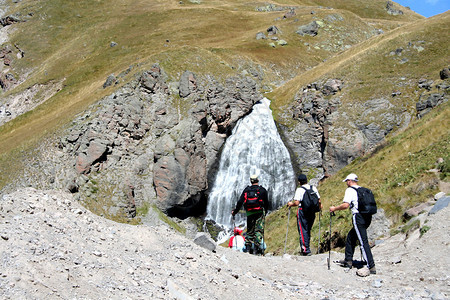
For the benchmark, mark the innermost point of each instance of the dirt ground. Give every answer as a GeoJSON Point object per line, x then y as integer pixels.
{"type": "Point", "coordinates": [52, 248]}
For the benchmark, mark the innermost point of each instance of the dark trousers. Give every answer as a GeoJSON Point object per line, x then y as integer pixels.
{"type": "Point", "coordinates": [305, 222]}
{"type": "Point", "coordinates": [255, 231]}
{"type": "Point", "coordinates": [359, 233]}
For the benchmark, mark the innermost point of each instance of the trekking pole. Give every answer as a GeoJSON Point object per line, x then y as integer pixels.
{"type": "Point", "coordinates": [234, 234]}
{"type": "Point", "coordinates": [287, 228]}
{"type": "Point", "coordinates": [263, 250]}
{"type": "Point", "coordinates": [318, 243]}
{"type": "Point", "coordinates": [329, 242]}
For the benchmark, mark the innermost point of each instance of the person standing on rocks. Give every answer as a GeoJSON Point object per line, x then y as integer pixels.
{"type": "Point", "coordinates": [256, 203]}
{"type": "Point", "coordinates": [306, 214]}
{"type": "Point", "coordinates": [361, 222]}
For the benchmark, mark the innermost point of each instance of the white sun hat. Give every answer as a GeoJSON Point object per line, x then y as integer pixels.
{"type": "Point", "coordinates": [351, 176]}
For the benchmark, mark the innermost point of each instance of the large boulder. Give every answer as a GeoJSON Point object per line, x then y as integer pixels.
{"type": "Point", "coordinates": [311, 29]}
{"type": "Point", "coordinates": [188, 84]}
{"type": "Point", "coordinates": [444, 73]}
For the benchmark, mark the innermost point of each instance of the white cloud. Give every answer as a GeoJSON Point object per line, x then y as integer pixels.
{"type": "Point", "coordinates": [432, 2]}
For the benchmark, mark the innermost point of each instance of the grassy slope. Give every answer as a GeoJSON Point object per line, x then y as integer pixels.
{"type": "Point", "coordinates": [368, 70]}
{"type": "Point", "coordinates": [397, 173]}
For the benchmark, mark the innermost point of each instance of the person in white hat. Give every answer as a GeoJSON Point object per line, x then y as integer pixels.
{"type": "Point", "coordinates": [359, 231]}
{"type": "Point", "coordinates": [256, 204]}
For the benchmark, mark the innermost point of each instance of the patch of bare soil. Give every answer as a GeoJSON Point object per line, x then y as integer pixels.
{"type": "Point", "coordinates": [18, 104]}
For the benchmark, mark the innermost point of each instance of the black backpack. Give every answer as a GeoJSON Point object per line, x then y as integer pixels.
{"type": "Point", "coordinates": [252, 199]}
{"type": "Point", "coordinates": [366, 201]}
{"type": "Point", "coordinates": [310, 201]}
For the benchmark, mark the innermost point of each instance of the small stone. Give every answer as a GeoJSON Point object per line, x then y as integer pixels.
{"type": "Point", "coordinates": [377, 283]}
{"type": "Point", "coordinates": [396, 260]}
{"type": "Point", "coordinates": [224, 259]}
{"type": "Point", "coordinates": [287, 256]}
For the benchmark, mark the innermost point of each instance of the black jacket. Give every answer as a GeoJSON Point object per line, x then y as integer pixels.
{"type": "Point", "coordinates": [262, 195]}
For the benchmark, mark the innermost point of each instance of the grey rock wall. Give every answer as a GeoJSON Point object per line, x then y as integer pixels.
{"type": "Point", "coordinates": [146, 144]}
{"type": "Point", "coordinates": [325, 135]}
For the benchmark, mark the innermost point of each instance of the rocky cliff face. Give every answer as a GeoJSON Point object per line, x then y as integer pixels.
{"type": "Point", "coordinates": [326, 133]}
{"type": "Point", "coordinates": [158, 142]}
{"type": "Point", "coordinates": [146, 143]}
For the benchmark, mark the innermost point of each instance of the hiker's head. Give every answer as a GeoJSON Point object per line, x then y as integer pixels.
{"type": "Point", "coordinates": [302, 179]}
{"type": "Point", "coordinates": [238, 230]}
{"type": "Point", "coordinates": [254, 179]}
{"type": "Point", "coordinates": [351, 179]}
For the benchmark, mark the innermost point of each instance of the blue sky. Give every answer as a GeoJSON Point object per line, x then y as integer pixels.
{"type": "Point", "coordinates": [426, 8]}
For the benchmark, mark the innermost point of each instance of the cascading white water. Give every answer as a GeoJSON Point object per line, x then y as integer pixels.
{"type": "Point", "coordinates": [254, 147]}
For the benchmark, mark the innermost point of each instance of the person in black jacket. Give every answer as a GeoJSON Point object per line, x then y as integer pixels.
{"type": "Point", "coordinates": [256, 204]}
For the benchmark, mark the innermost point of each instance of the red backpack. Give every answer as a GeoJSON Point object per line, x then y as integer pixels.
{"type": "Point", "coordinates": [252, 200]}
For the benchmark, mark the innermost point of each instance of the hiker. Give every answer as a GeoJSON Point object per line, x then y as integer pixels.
{"type": "Point", "coordinates": [361, 221]}
{"type": "Point", "coordinates": [256, 203]}
{"type": "Point", "coordinates": [306, 214]}
{"type": "Point", "coordinates": [237, 241]}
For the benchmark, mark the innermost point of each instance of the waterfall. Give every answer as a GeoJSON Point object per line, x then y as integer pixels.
{"type": "Point", "coordinates": [254, 147]}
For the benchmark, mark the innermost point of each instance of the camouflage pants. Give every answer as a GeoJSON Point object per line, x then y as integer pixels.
{"type": "Point", "coordinates": [255, 231]}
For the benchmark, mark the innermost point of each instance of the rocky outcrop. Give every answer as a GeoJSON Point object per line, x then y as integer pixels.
{"type": "Point", "coordinates": [444, 73]}
{"type": "Point", "coordinates": [311, 111]}
{"type": "Point", "coordinates": [8, 20]}
{"type": "Point", "coordinates": [311, 29]}
{"type": "Point", "coordinates": [147, 144]}
{"type": "Point", "coordinates": [390, 8]}
{"type": "Point", "coordinates": [433, 93]}
{"type": "Point", "coordinates": [326, 135]}
{"type": "Point", "coordinates": [186, 158]}
{"type": "Point", "coordinates": [428, 102]}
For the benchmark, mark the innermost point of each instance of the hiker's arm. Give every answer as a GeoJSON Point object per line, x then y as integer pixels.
{"type": "Point", "coordinates": [238, 205]}
{"type": "Point", "coordinates": [293, 203]}
{"type": "Point", "coordinates": [297, 197]}
{"type": "Point", "coordinates": [266, 201]}
{"type": "Point", "coordinates": [343, 206]}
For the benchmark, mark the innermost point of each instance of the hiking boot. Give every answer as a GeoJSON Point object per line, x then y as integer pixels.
{"type": "Point", "coordinates": [259, 252]}
{"type": "Point", "coordinates": [345, 263]}
{"type": "Point", "coordinates": [363, 272]}
{"type": "Point", "coordinates": [305, 253]}
{"type": "Point", "coordinates": [373, 271]}
{"type": "Point", "coordinates": [249, 248]}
